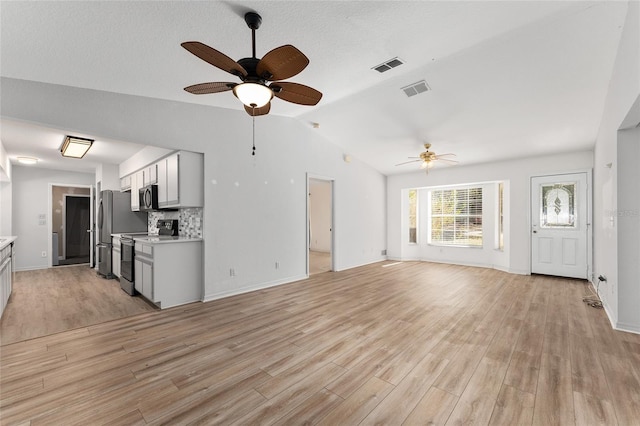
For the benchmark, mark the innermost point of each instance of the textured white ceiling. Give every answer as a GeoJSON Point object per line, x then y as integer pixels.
{"type": "Point", "coordinates": [508, 79]}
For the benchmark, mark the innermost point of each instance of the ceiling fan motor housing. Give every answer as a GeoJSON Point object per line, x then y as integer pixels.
{"type": "Point", "coordinates": [253, 20]}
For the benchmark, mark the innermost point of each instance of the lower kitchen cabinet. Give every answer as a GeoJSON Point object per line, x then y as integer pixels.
{"type": "Point", "coordinates": [144, 276]}
{"type": "Point", "coordinates": [169, 273]}
{"type": "Point", "coordinates": [5, 276]}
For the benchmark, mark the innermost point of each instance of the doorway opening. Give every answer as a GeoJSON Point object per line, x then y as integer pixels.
{"type": "Point", "coordinates": [320, 248]}
{"type": "Point", "coordinates": [71, 225]}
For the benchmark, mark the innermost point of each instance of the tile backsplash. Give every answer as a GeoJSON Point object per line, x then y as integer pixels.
{"type": "Point", "coordinates": [189, 221]}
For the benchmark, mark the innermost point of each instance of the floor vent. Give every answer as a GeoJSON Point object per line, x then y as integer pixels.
{"type": "Point", "coordinates": [416, 88]}
{"type": "Point", "coordinates": [386, 66]}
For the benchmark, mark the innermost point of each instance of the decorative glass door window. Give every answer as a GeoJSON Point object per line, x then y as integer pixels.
{"type": "Point", "coordinates": [558, 205]}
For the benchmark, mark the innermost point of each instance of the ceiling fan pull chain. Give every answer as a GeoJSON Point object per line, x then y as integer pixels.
{"type": "Point", "coordinates": [254, 133]}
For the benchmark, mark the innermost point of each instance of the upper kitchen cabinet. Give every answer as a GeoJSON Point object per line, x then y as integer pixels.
{"type": "Point", "coordinates": [125, 183]}
{"type": "Point", "coordinates": [150, 175]}
{"type": "Point", "coordinates": [181, 180]}
{"type": "Point", "coordinates": [137, 181]}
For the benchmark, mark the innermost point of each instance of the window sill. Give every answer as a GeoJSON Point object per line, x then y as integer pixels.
{"type": "Point", "coordinates": [454, 245]}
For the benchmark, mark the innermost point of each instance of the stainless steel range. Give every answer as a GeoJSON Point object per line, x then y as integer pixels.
{"type": "Point", "coordinates": [167, 228]}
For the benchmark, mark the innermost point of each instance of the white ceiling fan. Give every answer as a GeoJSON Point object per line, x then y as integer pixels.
{"type": "Point", "coordinates": [427, 158]}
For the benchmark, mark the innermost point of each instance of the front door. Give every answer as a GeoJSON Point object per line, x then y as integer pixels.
{"type": "Point", "coordinates": [559, 225]}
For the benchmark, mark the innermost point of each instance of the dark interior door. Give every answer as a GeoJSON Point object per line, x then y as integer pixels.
{"type": "Point", "coordinates": [77, 222]}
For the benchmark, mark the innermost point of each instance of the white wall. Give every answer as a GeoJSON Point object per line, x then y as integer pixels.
{"type": "Point", "coordinates": [515, 173]}
{"type": "Point", "coordinates": [5, 208]}
{"type": "Point", "coordinates": [255, 207]}
{"type": "Point", "coordinates": [5, 192]}
{"type": "Point", "coordinates": [144, 157]}
{"type": "Point", "coordinates": [31, 199]}
{"type": "Point", "coordinates": [624, 89]}
{"type": "Point", "coordinates": [320, 215]}
{"type": "Point", "coordinates": [628, 218]}
{"type": "Point", "coordinates": [108, 175]}
{"type": "Point", "coordinates": [5, 165]}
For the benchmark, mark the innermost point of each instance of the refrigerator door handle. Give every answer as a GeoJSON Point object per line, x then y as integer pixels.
{"type": "Point", "coordinates": [100, 214]}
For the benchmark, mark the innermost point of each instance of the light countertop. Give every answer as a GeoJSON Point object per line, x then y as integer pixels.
{"type": "Point", "coordinates": [151, 239]}
{"type": "Point", "coordinates": [5, 241]}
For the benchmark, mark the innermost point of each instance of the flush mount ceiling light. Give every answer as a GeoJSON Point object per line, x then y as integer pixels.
{"type": "Point", "coordinates": [75, 147]}
{"type": "Point", "coordinates": [27, 160]}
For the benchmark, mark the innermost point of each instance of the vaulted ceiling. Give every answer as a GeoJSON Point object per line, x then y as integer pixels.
{"type": "Point", "coordinates": [506, 79]}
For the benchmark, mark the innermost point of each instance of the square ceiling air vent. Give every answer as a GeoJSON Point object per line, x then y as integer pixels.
{"type": "Point", "coordinates": [416, 88]}
{"type": "Point", "coordinates": [386, 66]}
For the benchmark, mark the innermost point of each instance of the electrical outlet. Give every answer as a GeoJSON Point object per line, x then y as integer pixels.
{"type": "Point", "coordinates": [277, 265]}
{"type": "Point", "coordinates": [232, 272]}
{"type": "Point", "coordinates": [44, 254]}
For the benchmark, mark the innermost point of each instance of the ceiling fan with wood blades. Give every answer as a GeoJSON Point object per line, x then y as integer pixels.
{"type": "Point", "coordinates": [427, 158]}
{"type": "Point", "coordinates": [278, 64]}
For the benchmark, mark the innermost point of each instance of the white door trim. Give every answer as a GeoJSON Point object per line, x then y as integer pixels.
{"type": "Point", "coordinates": [589, 214]}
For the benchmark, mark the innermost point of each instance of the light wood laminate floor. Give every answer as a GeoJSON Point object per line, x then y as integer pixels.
{"type": "Point", "coordinates": [47, 301]}
{"type": "Point", "coordinates": [319, 262]}
{"type": "Point", "coordinates": [413, 343]}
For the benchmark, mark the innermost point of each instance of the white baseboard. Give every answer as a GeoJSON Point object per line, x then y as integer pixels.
{"type": "Point", "coordinates": [448, 262]}
{"type": "Point", "coordinates": [30, 268]}
{"type": "Point", "coordinates": [248, 289]}
{"type": "Point", "coordinates": [629, 328]}
{"type": "Point", "coordinates": [381, 259]}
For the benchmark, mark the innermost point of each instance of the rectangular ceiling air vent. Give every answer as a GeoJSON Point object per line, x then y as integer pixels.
{"type": "Point", "coordinates": [386, 66]}
{"type": "Point", "coordinates": [416, 88]}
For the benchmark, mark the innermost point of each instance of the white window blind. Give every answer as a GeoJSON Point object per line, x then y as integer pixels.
{"type": "Point", "coordinates": [456, 217]}
{"type": "Point", "coordinates": [413, 223]}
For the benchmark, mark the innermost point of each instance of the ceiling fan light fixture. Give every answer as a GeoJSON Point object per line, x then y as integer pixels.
{"type": "Point", "coordinates": [253, 95]}
{"type": "Point", "coordinates": [75, 147]}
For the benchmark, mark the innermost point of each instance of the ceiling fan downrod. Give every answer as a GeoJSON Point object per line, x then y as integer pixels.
{"type": "Point", "coordinates": [253, 21]}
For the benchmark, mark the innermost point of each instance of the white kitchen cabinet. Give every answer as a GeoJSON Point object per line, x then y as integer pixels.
{"type": "Point", "coordinates": [115, 256]}
{"type": "Point", "coordinates": [137, 274]}
{"type": "Point", "coordinates": [169, 273]}
{"type": "Point", "coordinates": [143, 270]}
{"type": "Point", "coordinates": [137, 180]}
{"type": "Point", "coordinates": [173, 179]}
{"type": "Point", "coordinates": [144, 277]}
{"type": "Point", "coordinates": [181, 180]}
{"type": "Point", "coordinates": [5, 276]}
{"type": "Point", "coordinates": [125, 183]}
{"type": "Point", "coordinates": [150, 175]}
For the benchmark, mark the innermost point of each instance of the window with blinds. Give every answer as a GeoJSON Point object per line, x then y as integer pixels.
{"type": "Point", "coordinates": [456, 217]}
{"type": "Point", "coordinates": [413, 218]}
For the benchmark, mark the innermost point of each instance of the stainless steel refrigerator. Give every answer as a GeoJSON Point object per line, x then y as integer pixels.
{"type": "Point", "coordinates": [114, 217]}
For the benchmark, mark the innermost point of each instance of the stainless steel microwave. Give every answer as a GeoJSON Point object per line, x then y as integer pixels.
{"type": "Point", "coordinates": [149, 198]}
